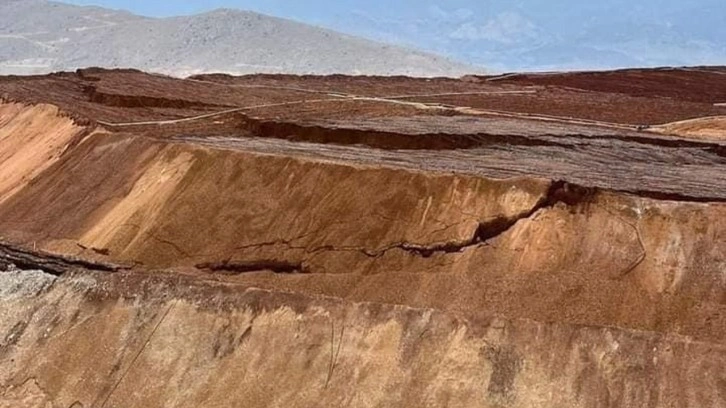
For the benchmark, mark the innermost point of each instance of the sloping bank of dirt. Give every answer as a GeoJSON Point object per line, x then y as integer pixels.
{"type": "Point", "coordinates": [32, 138]}
{"type": "Point", "coordinates": [523, 248]}
{"type": "Point", "coordinates": [710, 128]}
{"type": "Point", "coordinates": [279, 272]}
{"type": "Point", "coordinates": [174, 341]}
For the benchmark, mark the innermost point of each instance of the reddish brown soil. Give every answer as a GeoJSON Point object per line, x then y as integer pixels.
{"type": "Point", "coordinates": [703, 85]}
{"type": "Point", "coordinates": [627, 97]}
{"type": "Point", "coordinates": [529, 200]}
{"type": "Point", "coordinates": [632, 96]}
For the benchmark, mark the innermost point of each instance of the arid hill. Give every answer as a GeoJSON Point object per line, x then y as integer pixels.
{"type": "Point", "coordinates": [541, 240]}
{"type": "Point", "coordinates": [40, 36]}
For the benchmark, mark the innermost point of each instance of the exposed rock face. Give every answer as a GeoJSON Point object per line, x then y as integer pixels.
{"type": "Point", "coordinates": [275, 245]}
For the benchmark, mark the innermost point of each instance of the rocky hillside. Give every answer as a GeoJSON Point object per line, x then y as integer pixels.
{"type": "Point", "coordinates": [38, 36]}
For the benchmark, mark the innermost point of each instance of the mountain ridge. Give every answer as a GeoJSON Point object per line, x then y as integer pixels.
{"type": "Point", "coordinates": [223, 40]}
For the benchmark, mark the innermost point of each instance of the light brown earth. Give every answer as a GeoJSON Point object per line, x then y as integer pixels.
{"type": "Point", "coordinates": [337, 241]}
{"type": "Point", "coordinates": [709, 128]}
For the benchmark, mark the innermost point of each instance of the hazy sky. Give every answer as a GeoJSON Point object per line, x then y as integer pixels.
{"type": "Point", "coordinates": [506, 34]}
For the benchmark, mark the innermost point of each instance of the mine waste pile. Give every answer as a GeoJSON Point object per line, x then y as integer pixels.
{"type": "Point", "coordinates": [548, 240]}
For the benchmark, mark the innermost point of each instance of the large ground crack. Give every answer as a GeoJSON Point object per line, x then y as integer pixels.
{"type": "Point", "coordinates": [381, 139]}
{"type": "Point", "coordinates": [239, 267]}
{"type": "Point", "coordinates": [558, 192]}
{"type": "Point", "coordinates": [53, 264]}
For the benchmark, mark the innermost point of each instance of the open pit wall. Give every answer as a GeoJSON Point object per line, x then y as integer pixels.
{"type": "Point", "coordinates": [523, 248]}
{"type": "Point", "coordinates": [542, 294]}
{"type": "Point", "coordinates": [127, 340]}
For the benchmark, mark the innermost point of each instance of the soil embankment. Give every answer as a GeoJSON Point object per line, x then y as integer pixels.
{"type": "Point", "coordinates": [710, 128]}
{"type": "Point", "coordinates": [418, 257]}
{"type": "Point", "coordinates": [174, 341]}
{"type": "Point", "coordinates": [32, 138]}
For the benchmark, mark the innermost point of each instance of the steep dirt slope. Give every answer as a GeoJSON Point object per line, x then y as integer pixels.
{"type": "Point", "coordinates": [175, 342]}
{"type": "Point", "coordinates": [31, 140]}
{"type": "Point", "coordinates": [429, 254]}
{"type": "Point", "coordinates": [710, 128]}
{"type": "Point", "coordinates": [386, 234]}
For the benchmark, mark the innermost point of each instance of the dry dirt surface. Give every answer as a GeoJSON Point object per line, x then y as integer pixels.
{"type": "Point", "coordinates": [549, 240]}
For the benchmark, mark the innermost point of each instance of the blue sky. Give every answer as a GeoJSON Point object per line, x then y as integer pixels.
{"type": "Point", "coordinates": [506, 34]}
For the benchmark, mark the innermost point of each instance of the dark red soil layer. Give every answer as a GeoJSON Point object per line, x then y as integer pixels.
{"type": "Point", "coordinates": [634, 97]}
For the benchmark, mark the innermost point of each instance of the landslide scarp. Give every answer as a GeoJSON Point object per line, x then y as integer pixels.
{"type": "Point", "coordinates": [558, 192]}
{"type": "Point", "coordinates": [141, 101]}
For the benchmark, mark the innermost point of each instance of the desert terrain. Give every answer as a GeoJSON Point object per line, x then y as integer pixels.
{"type": "Point", "coordinates": [520, 240]}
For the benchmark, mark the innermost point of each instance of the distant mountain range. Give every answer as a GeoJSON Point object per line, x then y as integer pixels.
{"type": "Point", "coordinates": [516, 35]}
{"type": "Point", "coordinates": [38, 36]}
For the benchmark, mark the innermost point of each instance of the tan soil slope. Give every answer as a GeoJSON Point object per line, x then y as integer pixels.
{"type": "Point", "coordinates": [32, 138]}
{"type": "Point", "coordinates": [175, 342]}
{"type": "Point", "coordinates": [496, 262]}
{"type": "Point", "coordinates": [711, 128]}
{"type": "Point", "coordinates": [466, 244]}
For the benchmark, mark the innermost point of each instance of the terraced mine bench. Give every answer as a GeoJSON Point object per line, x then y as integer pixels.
{"type": "Point", "coordinates": [288, 241]}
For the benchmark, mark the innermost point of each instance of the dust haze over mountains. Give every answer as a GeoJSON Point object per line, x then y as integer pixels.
{"type": "Point", "coordinates": [512, 35]}
{"type": "Point", "coordinates": [38, 36]}
{"type": "Point", "coordinates": [537, 35]}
